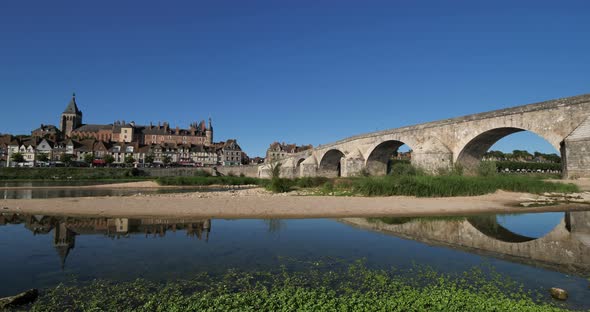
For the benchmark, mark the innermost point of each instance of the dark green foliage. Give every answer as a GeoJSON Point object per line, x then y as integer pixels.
{"type": "Point", "coordinates": [353, 288]}
{"type": "Point", "coordinates": [109, 159]}
{"type": "Point", "coordinates": [18, 157]}
{"type": "Point", "coordinates": [487, 169]}
{"type": "Point", "coordinates": [280, 185]}
{"type": "Point", "coordinates": [67, 158]}
{"type": "Point", "coordinates": [88, 158]}
{"type": "Point", "coordinates": [402, 168]}
{"type": "Point", "coordinates": [444, 186]}
{"type": "Point", "coordinates": [149, 159]}
{"type": "Point", "coordinates": [42, 157]}
{"type": "Point", "coordinates": [129, 159]}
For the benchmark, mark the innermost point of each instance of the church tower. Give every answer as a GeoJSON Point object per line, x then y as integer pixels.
{"type": "Point", "coordinates": [209, 134]}
{"type": "Point", "coordinates": [71, 118]}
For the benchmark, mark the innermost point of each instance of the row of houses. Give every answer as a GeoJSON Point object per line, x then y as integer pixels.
{"type": "Point", "coordinates": [35, 151]}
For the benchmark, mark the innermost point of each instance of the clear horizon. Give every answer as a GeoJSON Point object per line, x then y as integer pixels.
{"type": "Point", "coordinates": [304, 73]}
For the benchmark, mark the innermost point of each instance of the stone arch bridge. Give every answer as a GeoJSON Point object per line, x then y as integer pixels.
{"type": "Point", "coordinates": [564, 123]}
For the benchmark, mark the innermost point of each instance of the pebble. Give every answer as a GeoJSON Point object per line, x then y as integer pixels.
{"type": "Point", "coordinates": [558, 293]}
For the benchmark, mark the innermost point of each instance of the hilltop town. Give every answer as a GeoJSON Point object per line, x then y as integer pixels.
{"type": "Point", "coordinates": [75, 143]}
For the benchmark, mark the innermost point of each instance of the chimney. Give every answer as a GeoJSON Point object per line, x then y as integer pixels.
{"type": "Point", "coordinates": [177, 130]}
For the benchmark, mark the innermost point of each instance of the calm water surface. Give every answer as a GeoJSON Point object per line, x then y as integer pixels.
{"type": "Point", "coordinates": [59, 193]}
{"type": "Point", "coordinates": [42, 251]}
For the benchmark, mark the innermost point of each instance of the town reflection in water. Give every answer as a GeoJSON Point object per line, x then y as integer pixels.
{"type": "Point", "coordinates": [65, 229]}
{"type": "Point", "coordinates": [564, 246]}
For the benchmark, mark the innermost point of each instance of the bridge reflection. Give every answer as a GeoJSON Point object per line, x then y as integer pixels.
{"type": "Point", "coordinates": [566, 248]}
{"type": "Point", "coordinates": [65, 229]}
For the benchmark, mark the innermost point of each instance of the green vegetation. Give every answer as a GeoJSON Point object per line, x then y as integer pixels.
{"type": "Point", "coordinates": [319, 288]}
{"type": "Point", "coordinates": [88, 158]}
{"type": "Point", "coordinates": [487, 169]}
{"type": "Point", "coordinates": [149, 159]}
{"type": "Point", "coordinates": [406, 180]}
{"type": "Point", "coordinates": [129, 160]}
{"type": "Point", "coordinates": [69, 173]}
{"type": "Point", "coordinates": [451, 185]}
{"type": "Point", "coordinates": [18, 157]}
{"type": "Point", "coordinates": [42, 157]}
{"type": "Point", "coordinates": [109, 159]}
{"type": "Point", "coordinates": [522, 155]}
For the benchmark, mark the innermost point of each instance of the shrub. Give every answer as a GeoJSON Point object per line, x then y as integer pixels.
{"type": "Point", "coordinates": [308, 182]}
{"type": "Point", "coordinates": [487, 169]}
{"type": "Point", "coordinates": [404, 169]}
{"type": "Point", "coordinates": [328, 187]}
{"type": "Point", "coordinates": [280, 185]}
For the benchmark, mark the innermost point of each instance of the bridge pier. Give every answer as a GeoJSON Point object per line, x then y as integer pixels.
{"type": "Point", "coordinates": [309, 167]}
{"type": "Point", "coordinates": [575, 152]}
{"type": "Point", "coordinates": [433, 163]}
{"type": "Point", "coordinates": [352, 165]}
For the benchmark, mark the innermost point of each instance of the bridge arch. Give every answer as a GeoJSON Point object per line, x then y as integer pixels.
{"type": "Point", "coordinates": [379, 156]}
{"type": "Point", "coordinates": [298, 165]}
{"type": "Point", "coordinates": [330, 164]}
{"type": "Point", "coordinates": [489, 226]}
{"type": "Point", "coordinates": [472, 150]}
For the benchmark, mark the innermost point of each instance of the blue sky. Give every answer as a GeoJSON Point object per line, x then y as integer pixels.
{"type": "Point", "coordinates": [294, 71]}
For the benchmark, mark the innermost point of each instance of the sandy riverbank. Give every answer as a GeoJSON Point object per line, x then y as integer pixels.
{"type": "Point", "coordinates": [258, 203]}
{"type": "Point", "coordinates": [126, 185]}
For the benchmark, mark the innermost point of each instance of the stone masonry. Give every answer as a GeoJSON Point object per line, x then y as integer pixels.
{"type": "Point", "coordinates": [564, 123]}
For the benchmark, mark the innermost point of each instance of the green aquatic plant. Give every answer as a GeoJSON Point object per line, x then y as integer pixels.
{"type": "Point", "coordinates": [320, 286]}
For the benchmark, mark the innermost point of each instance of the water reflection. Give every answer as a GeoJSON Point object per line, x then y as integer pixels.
{"type": "Point", "coordinates": [117, 249]}
{"type": "Point", "coordinates": [563, 248]}
{"type": "Point", "coordinates": [65, 229]}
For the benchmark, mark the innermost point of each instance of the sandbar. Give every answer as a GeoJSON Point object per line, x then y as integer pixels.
{"type": "Point", "coordinates": [258, 203]}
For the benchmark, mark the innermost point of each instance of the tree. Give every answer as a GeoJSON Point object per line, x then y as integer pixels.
{"type": "Point", "coordinates": [66, 158]}
{"type": "Point", "coordinates": [18, 158]}
{"type": "Point", "coordinates": [43, 157]}
{"type": "Point", "coordinates": [109, 159]}
{"type": "Point", "coordinates": [88, 158]}
{"type": "Point", "coordinates": [167, 159]}
{"type": "Point", "coordinates": [495, 154]}
{"type": "Point", "coordinates": [129, 159]}
{"type": "Point", "coordinates": [521, 155]}
{"type": "Point", "coordinates": [149, 159]}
